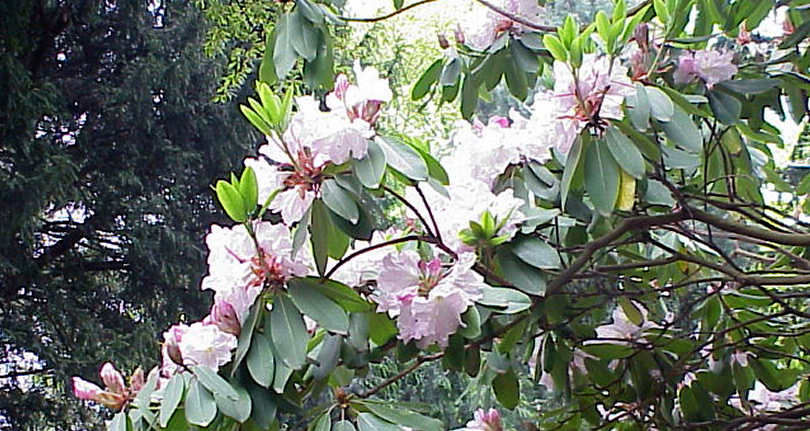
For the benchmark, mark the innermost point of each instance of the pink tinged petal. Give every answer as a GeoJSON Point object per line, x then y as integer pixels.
{"type": "Point", "coordinates": [341, 84]}
{"type": "Point", "coordinates": [223, 315]}
{"type": "Point", "coordinates": [113, 379]}
{"type": "Point", "coordinates": [206, 345]}
{"type": "Point", "coordinates": [137, 380]}
{"type": "Point", "coordinates": [292, 204]}
{"type": "Point", "coordinates": [84, 390]}
{"type": "Point", "coordinates": [171, 344]}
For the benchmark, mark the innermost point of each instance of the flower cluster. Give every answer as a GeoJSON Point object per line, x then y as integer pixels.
{"type": "Point", "coordinates": [241, 266]}
{"type": "Point", "coordinates": [426, 297]}
{"type": "Point", "coordinates": [319, 135]}
{"type": "Point", "coordinates": [583, 97]}
{"type": "Point", "coordinates": [116, 393]}
{"type": "Point", "coordinates": [483, 24]}
{"type": "Point", "coordinates": [710, 66]}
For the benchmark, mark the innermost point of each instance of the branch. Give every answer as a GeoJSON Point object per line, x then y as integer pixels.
{"type": "Point", "coordinates": [626, 225]}
{"type": "Point", "coordinates": [387, 16]}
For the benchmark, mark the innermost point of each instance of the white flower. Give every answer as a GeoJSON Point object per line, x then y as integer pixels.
{"type": "Point", "coordinates": [711, 66]}
{"type": "Point", "coordinates": [237, 270]}
{"type": "Point", "coordinates": [207, 346]}
{"type": "Point", "coordinates": [622, 330]}
{"type": "Point", "coordinates": [482, 25]}
{"type": "Point", "coordinates": [426, 298]}
{"type": "Point", "coordinates": [596, 93]}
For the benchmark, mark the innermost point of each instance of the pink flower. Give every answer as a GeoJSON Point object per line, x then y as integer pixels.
{"type": "Point", "coordinates": [115, 395]}
{"type": "Point", "coordinates": [710, 66]}
{"type": "Point", "coordinates": [224, 317]}
{"type": "Point", "coordinates": [207, 346]}
{"type": "Point", "coordinates": [112, 378]}
{"type": "Point", "coordinates": [427, 298]}
{"type": "Point", "coordinates": [622, 330]}
{"type": "Point", "coordinates": [84, 390]}
{"type": "Point", "coordinates": [483, 25]}
{"type": "Point", "coordinates": [238, 271]}
{"type": "Point", "coordinates": [595, 93]}
{"type": "Point", "coordinates": [485, 421]}
{"type": "Point", "coordinates": [172, 358]}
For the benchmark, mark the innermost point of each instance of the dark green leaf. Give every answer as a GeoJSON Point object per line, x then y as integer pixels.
{"type": "Point", "coordinates": [507, 389]}
{"type": "Point", "coordinates": [370, 169]}
{"type": "Point", "coordinates": [340, 201]}
{"type": "Point", "coordinates": [338, 292]}
{"type": "Point", "coordinates": [406, 418]}
{"type": "Point", "coordinates": [683, 131]}
{"type": "Point", "coordinates": [370, 422]}
{"type": "Point", "coordinates": [661, 106]}
{"type": "Point", "coordinates": [238, 408]}
{"type": "Point", "coordinates": [215, 383]}
{"type": "Point", "coordinates": [343, 425]}
{"type": "Point", "coordinates": [625, 153]}
{"type": "Point", "coordinates": [608, 350]}
{"type": "Point", "coordinates": [507, 301]}
{"type": "Point", "coordinates": [304, 37]}
{"type": "Point", "coordinates": [431, 75]}
{"type": "Point", "coordinates": [404, 159]}
{"type": "Point", "coordinates": [323, 310]}
{"type": "Point", "coordinates": [260, 360]}
{"type": "Point", "coordinates": [601, 177]}
{"type": "Point", "coordinates": [535, 252]}
{"type": "Point", "coordinates": [726, 108]}
{"type": "Point", "coordinates": [749, 86]}
{"type": "Point", "coordinates": [288, 332]}
{"type": "Point", "coordinates": [284, 56]}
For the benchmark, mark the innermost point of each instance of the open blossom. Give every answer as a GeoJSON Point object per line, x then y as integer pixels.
{"type": "Point", "coordinates": [317, 136]}
{"type": "Point", "coordinates": [426, 298]}
{"type": "Point", "coordinates": [623, 329]}
{"type": "Point", "coordinates": [710, 66]}
{"type": "Point", "coordinates": [365, 267]}
{"type": "Point", "coordinates": [205, 345]}
{"type": "Point", "coordinates": [238, 272]}
{"type": "Point", "coordinates": [483, 152]}
{"type": "Point", "coordinates": [482, 25]}
{"type": "Point", "coordinates": [596, 93]}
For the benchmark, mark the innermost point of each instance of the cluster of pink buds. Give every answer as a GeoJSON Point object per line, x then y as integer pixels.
{"type": "Point", "coordinates": [116, 394]}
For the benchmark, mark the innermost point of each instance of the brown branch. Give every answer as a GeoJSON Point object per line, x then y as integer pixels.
{"type": "Point", "coordinates": [386, 16]}
{"type": "Point", "coordinates": [626, 225]}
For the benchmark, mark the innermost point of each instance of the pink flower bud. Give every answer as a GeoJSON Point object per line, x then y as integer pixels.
{"type": "Point", "coordinates": [84, 390]}
{"type": "Point", "coordinates": [501, 121]}
{"type": "Point", "coordinates": [486, 421]}
{"type": "Point", "coordinates": [341, 85]}
{"type": "Point", "coordinates": [224, 317]}
{"type": "Point", "coordinates": [642, 37]}
{"type": "Point", "coordinates": [171, 341]}
{"type": "Point", "coordinates": [443, 42]}
{"type": "Point", "coordinates": [744, 36]}
{"type": "Point", "coordinates": [787, 26]}
{"type": "Point", "coordinates": [113, 379]}
{"type": "Point", "coordinates": [136, 381]}
{"type": "Point", "coordinates": [459, 35]}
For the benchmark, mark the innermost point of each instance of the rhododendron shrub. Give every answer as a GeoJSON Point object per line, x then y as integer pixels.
{"type": "Point", "coordinates": [608, 238]}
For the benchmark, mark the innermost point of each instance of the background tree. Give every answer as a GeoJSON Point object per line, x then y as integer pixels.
{"type": "Point", "coordinates": [110, 142]}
